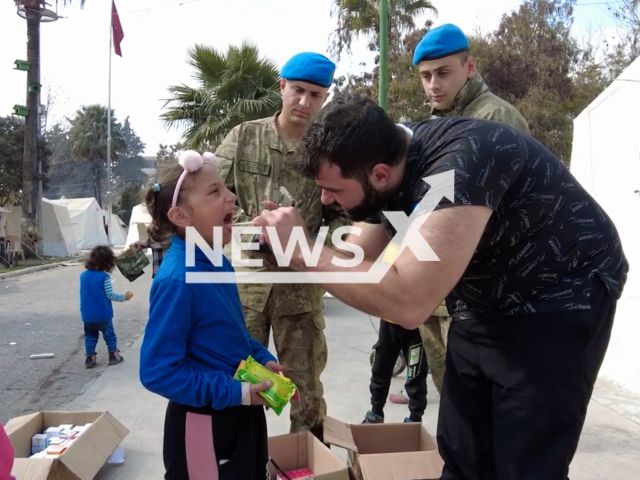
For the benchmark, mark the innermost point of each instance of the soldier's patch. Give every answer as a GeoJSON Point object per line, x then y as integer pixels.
{"type": "Point", "coordinates": [254, 167]}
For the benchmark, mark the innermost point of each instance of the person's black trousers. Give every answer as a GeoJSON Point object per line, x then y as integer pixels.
{"type": "Point", "coordinates": [228, 444]}
{"type": "Point", "coordinates": [516, 391]}
{"type": "Point", "coordinates": [392, 339]}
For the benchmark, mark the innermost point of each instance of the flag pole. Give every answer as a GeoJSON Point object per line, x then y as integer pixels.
{"type": "Point", "coordinates": [109, 131]}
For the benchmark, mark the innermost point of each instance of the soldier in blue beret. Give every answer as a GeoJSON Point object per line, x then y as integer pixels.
{"type": "Point", "coordinates": [255, 160]}
{"type": "Point", "coordinates": [306, 79]}
{"type": "Point", "coordinates": [454, 87]}
{"type": "Point", "coordinates": [452, 82]}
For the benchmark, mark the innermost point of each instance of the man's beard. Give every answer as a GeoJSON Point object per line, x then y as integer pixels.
{"type": "Point", "coordinates": [373, 201]}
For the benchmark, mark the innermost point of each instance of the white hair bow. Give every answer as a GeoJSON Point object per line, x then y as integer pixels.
{"type": "Point", "coordinates": [191, 161]}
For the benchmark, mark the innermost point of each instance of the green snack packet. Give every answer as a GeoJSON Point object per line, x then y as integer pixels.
{"type": "Point", "coordinates": [131, 263]}
{"type": "Point", "coordinates": [278, 394]}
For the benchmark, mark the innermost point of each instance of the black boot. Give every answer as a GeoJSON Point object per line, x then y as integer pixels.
{"type": "Point", "coordinates": [115, 358]}
{"type": "Point", "coordinates": [90, 361]}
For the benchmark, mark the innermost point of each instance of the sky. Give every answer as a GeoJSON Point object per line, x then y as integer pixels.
{"type": "Point", "coordinates": [158, 33]}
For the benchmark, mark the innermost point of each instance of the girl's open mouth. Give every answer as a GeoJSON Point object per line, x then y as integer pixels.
{"type": "Point", "coordinates": [227, 221]}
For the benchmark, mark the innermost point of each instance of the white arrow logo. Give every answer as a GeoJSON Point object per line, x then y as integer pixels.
{"type": "Point", "coordinates": [407, 236]}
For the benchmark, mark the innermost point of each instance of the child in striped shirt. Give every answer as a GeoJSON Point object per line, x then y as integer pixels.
{"type": "Point", "coordinates": [96, 297]}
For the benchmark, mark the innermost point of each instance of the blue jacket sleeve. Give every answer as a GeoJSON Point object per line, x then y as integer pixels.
{"type": "Point", "coordinates": [162, 370]}
{"type": "Point", "coordinates": [260, 353]}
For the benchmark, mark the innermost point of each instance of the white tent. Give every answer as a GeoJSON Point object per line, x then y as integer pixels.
{"type": "Point", "coordinates": [88, 221]}
{"type": "Point", "coordinates": [140, 220]}
{"type": "Point", "coordinates": [59, 239]}
{"type": "Point", "coordinates": [57, 229]}
{"type": "Point", "coordinates": [606, 160]}
{"type": "Point", "coordinates": [118, 229]}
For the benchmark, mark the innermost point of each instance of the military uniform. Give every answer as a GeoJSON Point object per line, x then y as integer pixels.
{"type": "Point", "coordinates": [474, 100]}
{"type": "Point", "coordinates": [254, 161]}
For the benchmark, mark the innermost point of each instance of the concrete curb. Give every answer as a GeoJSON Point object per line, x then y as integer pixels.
{"type": "Point", "coordinates": [27, 270]}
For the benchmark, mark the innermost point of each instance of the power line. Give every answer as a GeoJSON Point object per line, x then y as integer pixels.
{"type": "Point", "coordinates": [142, 10]}
{"type": "Point", "coordinates": [613, 2]}
{"type": "Point", "coordinates": [71, 160]}
{"type": "Point", "coordinates": [84, 184]}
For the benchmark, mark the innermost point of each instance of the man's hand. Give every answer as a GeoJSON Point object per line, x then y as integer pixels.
{"type": "Point", "coordinates": [284, 220]}
{"type": "Point", "coordinates": [259, 387]}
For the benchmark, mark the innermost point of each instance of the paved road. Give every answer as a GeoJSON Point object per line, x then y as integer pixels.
{"type": "Point", "coordinates": [39, 312]}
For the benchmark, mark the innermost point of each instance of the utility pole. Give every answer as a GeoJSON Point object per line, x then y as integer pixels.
{"type": "Point", "coordinates": [39, 167]}
{"type": "Point", "coordinates": [32, 163]}
{"type": "Point", "coordinates": [383, 83]}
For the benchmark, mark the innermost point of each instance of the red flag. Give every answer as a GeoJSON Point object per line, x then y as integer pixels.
{"type": "Point", "coordinates": [116, 26]}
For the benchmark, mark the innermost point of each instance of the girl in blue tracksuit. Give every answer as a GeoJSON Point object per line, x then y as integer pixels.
{"type": "Point", "coordinates": [215, 426]}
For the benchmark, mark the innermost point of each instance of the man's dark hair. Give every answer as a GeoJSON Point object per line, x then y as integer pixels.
{"type": "Point", "coordinates": [353, 132]}
{"type": "Point", "coordinates": [464, 55]}
{"type": "Point", "coordinates": [101, 258]}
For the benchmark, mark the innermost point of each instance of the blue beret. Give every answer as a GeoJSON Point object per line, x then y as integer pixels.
{"type": "Point", "coordinates": [440, 42]}
{"type": "Point", "coordinates": [309, 67]}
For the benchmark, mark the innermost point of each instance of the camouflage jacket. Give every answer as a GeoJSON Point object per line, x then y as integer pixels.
{"type": "Point", "coordinates": [476, 100]}
{"type": "Point", "coordinates": [254, 161]}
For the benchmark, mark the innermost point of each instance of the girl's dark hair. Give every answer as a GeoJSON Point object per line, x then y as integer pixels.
{"type": "Point", "coordinates": [158, 203]}
{"type": "Point", "coordinates": [101, 258]}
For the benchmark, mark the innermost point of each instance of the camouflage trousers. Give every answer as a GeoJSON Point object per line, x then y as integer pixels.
{"type": "Point", "coordinates": [434, 338]}
{"type": "Point", "coordinates": [300, 345]}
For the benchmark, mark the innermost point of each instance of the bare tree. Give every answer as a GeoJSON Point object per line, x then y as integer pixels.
{"type": "Point", "coordinates": [627, 13]}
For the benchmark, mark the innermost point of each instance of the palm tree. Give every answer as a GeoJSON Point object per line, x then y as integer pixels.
{"type": "Point", "coordinates": [30, 207]}
{"type": "Point", "coordinates": [232, 87]}
{"type": "Point", "coordinates": [88, 135]}
{"type": "Point", "coordinates": [358, 18]}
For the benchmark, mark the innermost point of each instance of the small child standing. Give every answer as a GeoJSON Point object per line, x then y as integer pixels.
{"type": "Point", "coordinates": [393, 339]}
{"type": "Point", "coordinates": [96, 295]}
{"type": "Point", "coordinates": [215, 426]}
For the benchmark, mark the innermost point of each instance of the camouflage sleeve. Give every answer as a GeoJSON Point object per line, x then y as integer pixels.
{"type": "Point", "coordinates": [510, 116]}
{"type": "Point", "coordinates": [226, 154]}
{"type": "Point", "coordinates": [334, 217]}
{"type": "Point", "coordinates": [441, 311]}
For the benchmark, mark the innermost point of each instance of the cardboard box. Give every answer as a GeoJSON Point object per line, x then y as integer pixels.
{"type": "Point", "coordinates": [81, 461]}
{"type": "Point", "coordinates": [386, 451]}
{"type": "Point", "coordinates": [299, 450]}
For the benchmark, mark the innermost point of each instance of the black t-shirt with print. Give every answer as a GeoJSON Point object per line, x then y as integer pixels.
{"type": "Point", "coordinates": [547, 236]}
